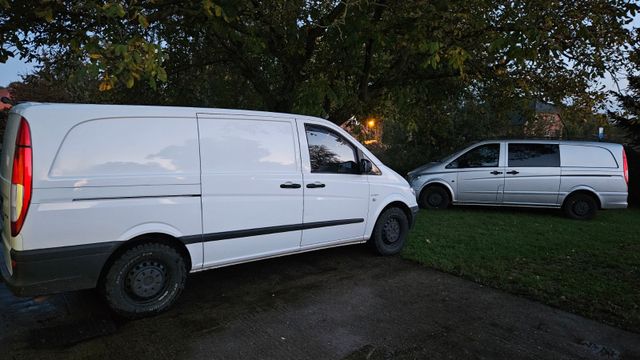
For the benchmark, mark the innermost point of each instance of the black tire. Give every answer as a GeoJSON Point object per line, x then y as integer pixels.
{"type": "Point", "coordinates": [390, 232]}
{"type": "Point", "coordinates": [144, 280]}
{"type": "Point", "coordinates": [581, 206]}
{"type": "Point", "coordinates": [435, 197]}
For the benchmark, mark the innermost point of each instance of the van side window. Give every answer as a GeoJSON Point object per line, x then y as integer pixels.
{"type": "Point", "coordinates": [330, 152]}
{"type": "Point", "coordinates": [534, 155]}
{"type": "Point", "coordinates": [482, 156]}
{"type": "Point", "coordinates": [247, 146]}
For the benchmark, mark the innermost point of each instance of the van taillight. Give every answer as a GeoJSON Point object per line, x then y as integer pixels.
{"type": "Point", "coordinates": [21, 177]}
{"type": "Point", "coordinates": [625, 166]}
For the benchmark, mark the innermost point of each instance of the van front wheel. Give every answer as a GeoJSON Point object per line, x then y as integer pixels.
{"type": "Point", "coordinates": [580, 206]}
{"type": "Point", "coordinates": [390, 232]}
{"type": "Point", "coordinates": [145, 280]}
{"type": "Point", "coordinates": [434, 197]}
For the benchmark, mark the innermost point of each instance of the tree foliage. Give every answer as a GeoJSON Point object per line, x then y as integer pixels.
{"type": "Point", "coordinates": [438, 72]}
{"type": "Point", "coordinates": [629, 116]}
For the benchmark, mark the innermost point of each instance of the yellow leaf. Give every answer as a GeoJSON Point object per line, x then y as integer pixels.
{"type": "Point", "coordinates": [105, 85]}
{"type": "Point", "coordinates": [218, 11]}
{"type": "Point", "coordinates": [95, 56]}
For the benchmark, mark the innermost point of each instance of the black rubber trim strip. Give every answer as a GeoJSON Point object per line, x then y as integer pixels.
{"type": "Point", "coordinates": [134, 197]}
{"type": "Point", "coordinates": [63, 252]}
{"type": "Point", "coordinates": [225, 235]}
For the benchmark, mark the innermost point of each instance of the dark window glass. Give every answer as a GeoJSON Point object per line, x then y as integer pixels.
{"type": "Point", "coordinates": [330, 152]}
{"type": "Point", "coordinates": [483, 156]}
{"type": "Point", "coordinates": [534, 155]}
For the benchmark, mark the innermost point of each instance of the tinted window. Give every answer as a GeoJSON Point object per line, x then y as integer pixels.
{"type": "Point", "coordinates": [534, 155]}
{"type": "Point", "coordinates": [482, 156]}
{"type": "Point", "coordinates": [330, 152]}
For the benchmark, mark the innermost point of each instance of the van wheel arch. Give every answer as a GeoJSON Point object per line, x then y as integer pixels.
{"type": "Point", "coordinates": [159, 238]}
{"type": "Point", "coordinates": [426, 188]}
{"type": "Point", "coordinates": [584, 198]}
{"type": "Point", "coordinates": [400, 205]}
{"type": "Point", "coordinates": [585, 192]}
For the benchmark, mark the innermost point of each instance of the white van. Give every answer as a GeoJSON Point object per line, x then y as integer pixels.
{"type": "Point", "coordinates": [578, 176]}
{"type": "Point", "coordinates": [130, 199]}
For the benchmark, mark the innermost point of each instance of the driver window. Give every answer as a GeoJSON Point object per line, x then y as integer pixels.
{"type": "Point", "coordinates": [482, 156]}
{"type": "Point", "coordinates": [330, 152]}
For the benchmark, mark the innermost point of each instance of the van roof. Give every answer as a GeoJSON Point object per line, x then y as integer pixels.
{"type": "Point", "coordinates": [94, 111]}
{"type": "Point", "coordinates": [549, 141]}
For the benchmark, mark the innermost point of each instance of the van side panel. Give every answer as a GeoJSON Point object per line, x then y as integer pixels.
{"type": "Point", "coordinates": [99, 182]}
{"type": "Point", "coordinates": [587, 157]}
{"type": "Point", "coordinates": [595, 169]}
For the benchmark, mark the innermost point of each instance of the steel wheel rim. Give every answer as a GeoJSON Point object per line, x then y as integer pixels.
{"type": "Point", "coordinates": [391, 231]}
{"type": "Point", "coordinates": [434, 199]}
{"type": "Point", "coordinates": [146, 280]}
{"type": "Point", "coordinates": [581, 208]}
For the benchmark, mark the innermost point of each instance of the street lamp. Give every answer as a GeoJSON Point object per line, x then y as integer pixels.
{"type": "Point", "coordinates": [371, 123]}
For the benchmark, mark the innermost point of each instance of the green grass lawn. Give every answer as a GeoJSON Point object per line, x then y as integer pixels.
{"type": "Point", "coordinates": [590, 268]}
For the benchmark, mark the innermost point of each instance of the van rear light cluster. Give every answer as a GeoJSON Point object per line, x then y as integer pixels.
{"type": "Point", "coordinates": [21, 177]}
{"type": "Point", "coordinates": [625, 166]}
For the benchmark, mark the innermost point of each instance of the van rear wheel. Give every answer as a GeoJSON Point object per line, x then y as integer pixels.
{"type": "Point", "coordinates": [145, 280]}
{"type": "Point", "coordinates": [390, 232]}
{"type": "Point", "coordinates": [580, 207]}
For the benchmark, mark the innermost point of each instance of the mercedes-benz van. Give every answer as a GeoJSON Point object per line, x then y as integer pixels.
{"type": "Point", "coordinates": [579, 177]}
{"type": "Point", "coordinates": [130, 199]}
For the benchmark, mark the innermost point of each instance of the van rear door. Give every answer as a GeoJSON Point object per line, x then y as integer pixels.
{"type": "Point", "coordinates": [8, 148]}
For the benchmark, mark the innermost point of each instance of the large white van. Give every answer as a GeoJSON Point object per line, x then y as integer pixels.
{"type": "Point", "coordinates": [130, 199]}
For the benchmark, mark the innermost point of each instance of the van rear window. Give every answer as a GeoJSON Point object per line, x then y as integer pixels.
{"type": "Point", "coordinates": [587, 156]}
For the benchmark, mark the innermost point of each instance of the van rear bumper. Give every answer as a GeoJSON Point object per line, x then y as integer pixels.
{"type": "Point", "coordinates": [54, 270]}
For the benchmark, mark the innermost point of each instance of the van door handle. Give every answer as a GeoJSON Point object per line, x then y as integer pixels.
{"type": "Point", "coordinates": [290, 185]}
{"type": "Point", "coordinates": [315, 185]}
{"type": "Point", "coordinates": [494, 172]}
{"type": "Point", "coordinates": [513, 172]}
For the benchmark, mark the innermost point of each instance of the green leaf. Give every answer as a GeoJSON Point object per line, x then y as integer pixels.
{"type": "Point", "coordinates": [46, 13]}
{"type": "Point", "coordinates": [162, 74]}
{"type": "Point", "coordinates": [142, 20]}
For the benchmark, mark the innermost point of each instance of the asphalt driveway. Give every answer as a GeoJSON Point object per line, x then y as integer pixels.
{"type": "Point", "coordinates": [334, 304]}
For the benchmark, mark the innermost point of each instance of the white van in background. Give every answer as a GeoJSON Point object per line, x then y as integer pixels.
{"type": "Point", "coordinates": [130, 199]}
{"type": "Point", "coordinates": [578, 176]}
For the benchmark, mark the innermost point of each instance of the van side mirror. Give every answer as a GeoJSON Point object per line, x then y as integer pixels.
{"type": "Point", "coordinates": [365, 166]}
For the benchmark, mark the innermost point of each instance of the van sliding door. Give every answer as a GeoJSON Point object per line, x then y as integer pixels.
{"type": "Point", "coordinates": [532, 176]}
{"type": "Point", "coordinates": [251, 187]}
